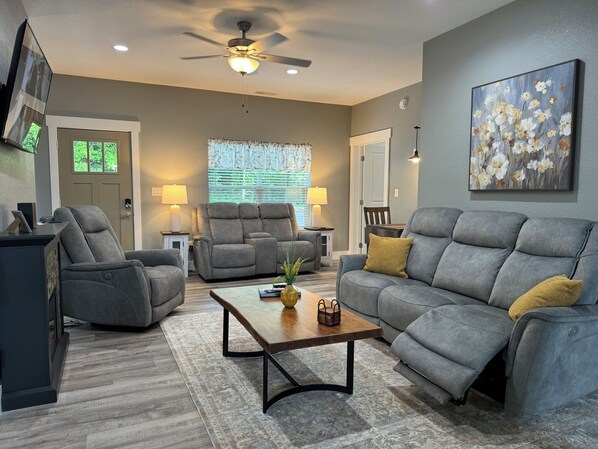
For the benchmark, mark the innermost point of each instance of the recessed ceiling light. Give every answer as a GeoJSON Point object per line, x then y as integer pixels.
{"type": "Point", "coordinates": [120, 47]}
{"type": "Point", "coordinates": [292, 72]}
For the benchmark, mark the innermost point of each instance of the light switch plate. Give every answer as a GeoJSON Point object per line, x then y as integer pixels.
{"type": "Point", "coordinates": [396, 193]}
{"type": "Point", "coordinates": [156, 191]}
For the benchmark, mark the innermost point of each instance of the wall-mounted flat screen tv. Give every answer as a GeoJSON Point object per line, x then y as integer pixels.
{"type": "Point", "coordinates": [26, 93]}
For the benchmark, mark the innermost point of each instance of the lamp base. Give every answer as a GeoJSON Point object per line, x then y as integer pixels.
{"type": "Point", "coordinates": [175, 218]}
{"type": "Point", "coordinates": [316, 216]}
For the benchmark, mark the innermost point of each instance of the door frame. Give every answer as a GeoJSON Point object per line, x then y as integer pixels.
{"type": "Point", "coordinates": [356, 182]}
{"type": "Point", "coordinates": [53, 122]}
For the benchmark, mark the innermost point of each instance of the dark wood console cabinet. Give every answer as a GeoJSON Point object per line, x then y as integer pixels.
{"type": "Point", "coordinates": [33, 343]}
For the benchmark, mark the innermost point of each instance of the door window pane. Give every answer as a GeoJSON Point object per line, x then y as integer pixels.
{"type": "Point", "coordinates": [95, 157]}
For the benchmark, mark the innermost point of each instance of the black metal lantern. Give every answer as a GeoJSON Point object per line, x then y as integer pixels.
{"type": "Point", "coordinates": [329, 315]}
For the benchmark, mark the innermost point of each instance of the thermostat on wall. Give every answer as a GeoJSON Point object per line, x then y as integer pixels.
{"type": "Point", "coordinates": [403, 103]}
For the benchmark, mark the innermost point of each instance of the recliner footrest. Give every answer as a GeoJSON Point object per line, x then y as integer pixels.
{"type": "Point", "coordinates": [449, 346]}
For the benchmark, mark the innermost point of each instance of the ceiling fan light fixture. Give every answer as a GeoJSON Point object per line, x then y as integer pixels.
{"type": "Point", "coordinates": [243, 64]}
{"type": "Point", "coordinates": [120, 47]}
{"type": "Point", "coordinates": [292, 72]}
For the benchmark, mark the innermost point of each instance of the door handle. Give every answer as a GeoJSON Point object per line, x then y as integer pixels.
{"type": "Point", "coordinates": [128, 203]}
{"type": "Point", "coordinates": [126, 214]}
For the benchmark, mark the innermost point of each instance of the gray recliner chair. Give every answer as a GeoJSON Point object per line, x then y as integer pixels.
{"type": "Point", "coordinates": [103, 284]}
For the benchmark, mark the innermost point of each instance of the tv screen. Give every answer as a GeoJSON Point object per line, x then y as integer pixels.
{"type": "Point", "coordinates": [26, 93]}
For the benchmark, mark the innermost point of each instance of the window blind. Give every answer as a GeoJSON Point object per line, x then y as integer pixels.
{"type": "Point", "coordinates": [260, 172]}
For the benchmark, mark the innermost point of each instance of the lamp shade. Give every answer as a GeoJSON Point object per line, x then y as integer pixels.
{"type": "Point", "coordinates": [174, 194]}
{"type": "Point", "coordinates": [243, 64]}
{"type": "Point", "coordinates": [317, 195]}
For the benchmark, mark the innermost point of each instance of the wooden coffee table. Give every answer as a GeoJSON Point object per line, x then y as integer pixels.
{"type": "Point", "coordinates": [278, 329]}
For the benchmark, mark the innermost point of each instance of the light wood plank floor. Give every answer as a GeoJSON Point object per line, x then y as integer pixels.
{"type": "Point", "coordinates": [124, 389]}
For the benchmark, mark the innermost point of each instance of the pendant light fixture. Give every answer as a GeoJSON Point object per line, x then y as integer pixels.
{"type": "Point", "coordinates": [243, 64]}
{"type": "Point", "coordinates": [415, 157]}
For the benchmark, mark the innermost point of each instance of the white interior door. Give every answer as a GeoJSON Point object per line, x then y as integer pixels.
{"type": "Point", "coordinates": [370, 162]}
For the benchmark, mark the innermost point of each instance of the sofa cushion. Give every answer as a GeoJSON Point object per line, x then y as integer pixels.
{"type": "Point", "coordinates": [275, 210]}
{"type": "Point", "coordinates": [469, 270]}
{"type": "Point", "coordinates": [489, 229]}
{"type": "Point", "coordinates": [360, 289]}
{"type": "Point", "coordinates": [545, 247]}
{"type": "Point", "coordinates": [388, 255]}
{"type": "Point", "coordinates": [400, 305]}
{"type": "Point", "coordinates": [280, 228]}
{"type": "Point", "coordinates": [431, 229]}
{"type": "Point", "coordinates": [165, 283]}
{"type": "Point", "coordinates": [250, 218]}
{"type": "Point", "coordinates": [553, 292]}
{"type": "Point", "coordinates": [451, 345]}
{"type": "Point", "coordinates": [233, 255]}
{"type": "Point", "coordinates": [302, 248]}
{"type": "Point", "coordinates": [226, 230]}
{"type": "Point", "coordinates": [222, 210]}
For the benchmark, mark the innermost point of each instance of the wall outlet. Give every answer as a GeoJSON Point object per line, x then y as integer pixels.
{"type": "Point", "coordinates": [156, 191]}
{"type": "Point", "coordinates": [396, 193]}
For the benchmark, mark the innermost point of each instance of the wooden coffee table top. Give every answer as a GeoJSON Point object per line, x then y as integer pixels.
{"type": "Point", "coordinates": [277, 328]}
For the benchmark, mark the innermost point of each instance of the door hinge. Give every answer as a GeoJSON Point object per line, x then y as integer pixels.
{"type": "Point", "coordinates": [361, 202]}
{"type": "Point", "coordinates": [362, 158]}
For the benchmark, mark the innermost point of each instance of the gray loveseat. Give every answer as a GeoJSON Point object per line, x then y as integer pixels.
{"type": "Point", "coordinates": [237, 240]}
{"type": "Point", "coordinates": [448, 322]}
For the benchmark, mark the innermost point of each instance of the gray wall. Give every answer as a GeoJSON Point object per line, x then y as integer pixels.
{"type": "Point", "coordinates": [522, 36]}
{"type": "Point", "coordinates": [384, 112]}
{"type": "Point", "coordinates": [17, 177]}
{"type": "Point", "coordinates": [175, 126]}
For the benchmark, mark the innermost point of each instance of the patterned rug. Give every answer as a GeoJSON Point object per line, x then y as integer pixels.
{"type": "Point", "coordinates": [385, 411]}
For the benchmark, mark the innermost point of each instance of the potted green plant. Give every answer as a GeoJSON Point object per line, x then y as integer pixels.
{"type": "Point", "coordinates": [290, 269]}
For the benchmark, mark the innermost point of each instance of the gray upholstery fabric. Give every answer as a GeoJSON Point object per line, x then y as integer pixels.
{"type": "Point", "coordinates": [460, 264]}
{"type": "Point", "coordinates": [360, 289]}
{"type": "Point", "coordinates": [439, 344]}
{"type": "Point", "coordinates": [371, 319]}
{"type": "Point", "coordinates": [233, 255]}
{"type": "Point", "coordinates": [490, 229]}
{"type": "Point", "coordinates": [552, 358]}
{"type": "Point", "coordinates": [521, 272]}
{"type": "Point", "coordinates": [269, 229]}
{"type": "Point", "coordinates": [114, 291]}
{"type": "Point", "coordinates": [433, 221]}
{"type": "Point", "coordinates": [402, 304]}
{"type": "Point", "coordinates": [348, 263]}
{"type": "Point", "coordinates": [587, 268]}
{"type": "Point", "coordinates": [553, 237]}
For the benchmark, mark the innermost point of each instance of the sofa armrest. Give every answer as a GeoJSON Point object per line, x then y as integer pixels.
{"type": "Point", "coordinates": [266, 252]}
{"type": "Point", "coordinates": [349, 262]}
{"type": "Point", "coordinates": [552, 358]}
{"type": "Point", "coordinates": [315, 238]}
{"type": "Point", "coordinates": [115, 293]}
{"type": "Point", "coordinates": [155, 257]}
{"type": "Point", "coordinates": [258, 235]}
{"type": "Point", "coordinates": [202, 256]}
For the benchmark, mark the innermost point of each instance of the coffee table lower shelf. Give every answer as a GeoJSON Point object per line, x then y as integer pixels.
{"type": "Point", "coordinates": [297, 387]}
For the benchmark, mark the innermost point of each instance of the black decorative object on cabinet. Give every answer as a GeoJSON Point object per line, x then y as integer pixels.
{"type": "Point", "coordinates": [33, 343]}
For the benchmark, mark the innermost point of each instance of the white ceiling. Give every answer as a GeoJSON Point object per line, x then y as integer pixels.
{"type": "Point", "coordinates": [360, 49]}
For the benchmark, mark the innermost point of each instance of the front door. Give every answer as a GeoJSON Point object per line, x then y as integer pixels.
{"type": "Point", "coordinates": [95, 169]}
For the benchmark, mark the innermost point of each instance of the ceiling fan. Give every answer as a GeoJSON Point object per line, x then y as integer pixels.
{"type": "Point", "coordinates": [244, 55]}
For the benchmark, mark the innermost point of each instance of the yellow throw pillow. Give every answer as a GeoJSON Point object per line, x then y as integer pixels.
{"type": "Point", "coordinates": [388, 255]}
{"type": "Point", "coordinates": [553, 292]}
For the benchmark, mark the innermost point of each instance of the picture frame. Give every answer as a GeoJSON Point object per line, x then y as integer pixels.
{"type": "Point", "coordinates": [523, 131]}
{"type": "Point", "coordinates": [23, 225]}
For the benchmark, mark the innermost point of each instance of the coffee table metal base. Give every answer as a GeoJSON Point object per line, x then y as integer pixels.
{"type": "Point", "coordinates": [297, 387]}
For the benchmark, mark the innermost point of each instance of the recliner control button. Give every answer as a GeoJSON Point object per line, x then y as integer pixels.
{"type": "Point", "coordinates": [573, 331]}
{"type": "Point", "coordinates": [107, 276]}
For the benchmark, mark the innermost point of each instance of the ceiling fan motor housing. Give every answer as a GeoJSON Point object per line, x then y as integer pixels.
{"type": "Point", "coordinates": [244, 26]}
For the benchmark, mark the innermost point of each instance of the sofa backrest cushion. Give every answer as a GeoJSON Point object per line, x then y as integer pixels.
{"type": "Point", "coordinates": [89, 237]}
{"type": "Point", "coordinates": [250, 218]}
{"type": "Point", "coordinates": [587, 269]}
{"type": "Point", "coordinates": [482, 241]}
{"type": "Point", "coordinates": [224, 223]}
{"type": "Point", "coordinates": [545, 247]}
{"type": "Point", "coordinates": [431, 229]}
{"type": "Point", "coordinates": [278, 219]}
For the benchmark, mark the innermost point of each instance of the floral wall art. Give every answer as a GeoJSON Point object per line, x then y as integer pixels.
{"type": "Point", "coordinates": [523, 131]}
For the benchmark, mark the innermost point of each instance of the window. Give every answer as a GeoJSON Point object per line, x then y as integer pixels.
{"type": "Point", "coordinates": [260, 172]}
{"type": "Point", "coordinates": [95, 157]}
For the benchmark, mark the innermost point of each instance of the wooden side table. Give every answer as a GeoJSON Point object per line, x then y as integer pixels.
{"type": "Point", "coordinates": [180, 241]}
{"type": "Point", "coordinates": [327, 244]}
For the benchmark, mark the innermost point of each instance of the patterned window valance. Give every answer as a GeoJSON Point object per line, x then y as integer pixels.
{"type": "Point", "coordinates": [252, 155]}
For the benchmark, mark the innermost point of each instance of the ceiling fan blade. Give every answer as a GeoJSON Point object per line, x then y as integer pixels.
{"type": "Point", "coordinates": [205, 39]}
{"type": "Point", "coordinates": [188, 58]}
{"type": "Point", "coordinates": [267, 42]}
{"type": "Point", "coordinates": [284, 60]}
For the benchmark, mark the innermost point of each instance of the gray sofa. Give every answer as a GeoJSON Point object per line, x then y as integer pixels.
{"type": "Point", "coordinates": [233, 240]}
{"type": "Point", "coordinates": [103, 284]}
{"type": "Point", "coordinates": [448, 322]}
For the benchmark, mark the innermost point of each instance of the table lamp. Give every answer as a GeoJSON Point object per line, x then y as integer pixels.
{"type": "Point", "coordinates": [316, 196]}
{"type": "Point", "coordinates": [174, 195]}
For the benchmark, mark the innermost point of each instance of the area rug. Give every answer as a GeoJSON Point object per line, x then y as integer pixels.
{"type": "Point", "coordinates": [385, 411]}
